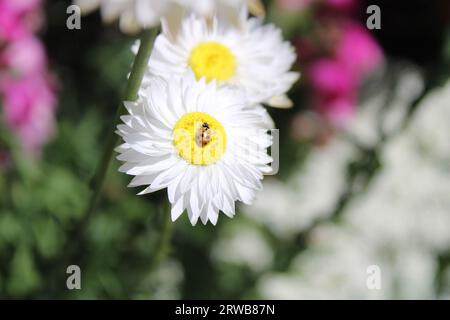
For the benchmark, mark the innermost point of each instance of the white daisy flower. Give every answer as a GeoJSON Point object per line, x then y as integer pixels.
{"type": "Point", "coordinates": [133, 15]}
{"type": "Point", "coordinates": [254, 57]}
{"type": "Point", "coordinates": [197, 140]}
{"type": "Point", "coordinates": [210, 7]}
{"type": "Point", "coordinates": [137, 14]}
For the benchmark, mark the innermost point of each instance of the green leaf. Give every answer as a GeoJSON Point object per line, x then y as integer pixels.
{"type": "Point", "coordinates": [23, 277]}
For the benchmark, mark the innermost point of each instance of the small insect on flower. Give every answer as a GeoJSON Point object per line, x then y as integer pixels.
{"type": "Point", "coordinates": [200, 141]}
{"type": "Point", "coordinates": [203, 136]}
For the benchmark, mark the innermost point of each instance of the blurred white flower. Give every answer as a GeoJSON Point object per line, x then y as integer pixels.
{"type": "Point", "coordinates": [415, 271]}
{"type": "Point", "coordinates": [243, 245]}
{"type": "Point", "coordinates": [254, 58]}
{"type": "Point", "coordinates": [373, 115]}
{"type": "Point", "coordinates": [408, 203]}
{"type": "Point", "coordinates": [311, 194]}
{"type": "Point", "coordinates": [335, 266]}
{"type": "Point", "coordinates": [400, 224]}
{"type": "Point", "coordinates": [197, 140]}
{"type": "Point", "coordinates": [137, 14]}
{"type": "Point", "coordinates": [164, 282]}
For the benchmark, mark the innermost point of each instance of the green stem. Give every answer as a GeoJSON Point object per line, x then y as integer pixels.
{"type": "Point", "coordinates": [163, 245]}
{"type": "Point", "coordinates": [133, 84]}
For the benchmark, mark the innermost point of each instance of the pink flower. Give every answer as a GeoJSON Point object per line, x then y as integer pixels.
{"type": "Point", "coordinates": [28, 98]}
{"type": "Point", "coordinates": [334, 90]}
{"type": "Point", "coordinates": [24, 56]}
{"type": "Point", "coordinates": [335, 81]}
{"type": "Point", "coordinates": [20, 6]}
{"type": "Point", "coordinates": [29, 106]}
{"type": "Point", "coordinates": [331, 78]}
{"type": "Point", "coordinates": [11, 26]}
{"type": "Point", "coordinates": [340, 4]}
{"type": "Point", "coordinates": [17, 17]}
{"type": "Point", "coordinates": [357, 50]}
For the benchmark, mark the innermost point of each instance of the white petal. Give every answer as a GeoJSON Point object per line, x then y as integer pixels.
{"type": "Point", "coordinates": [177, 209]}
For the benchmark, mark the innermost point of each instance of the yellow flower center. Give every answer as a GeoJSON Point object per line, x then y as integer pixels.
{"type": "Point", "coordinates": [199, 138]}
{"type": "Point", "coordinates": [213, 61]}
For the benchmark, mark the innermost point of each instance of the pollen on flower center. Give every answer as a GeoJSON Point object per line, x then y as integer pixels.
{"type": "Point", "coordinates": [199, 138]}
{"type": "Point", "coordinates": [213, 61]}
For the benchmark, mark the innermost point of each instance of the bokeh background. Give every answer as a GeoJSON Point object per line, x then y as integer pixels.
{"type": "Point", "coordinates": [364, 167]}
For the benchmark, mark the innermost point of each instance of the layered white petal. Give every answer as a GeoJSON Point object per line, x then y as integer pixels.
{"type": "Point", "coordinates": [137, 14]}
{"type": "Point", "coordinates": [149, 154]}
{"type": "Point", "coordinates": [263, 59]}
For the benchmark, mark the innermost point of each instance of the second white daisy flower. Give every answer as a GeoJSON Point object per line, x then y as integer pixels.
{"type": "Point", "coordinates": [137, 14]}
{"type": "Point", "coordinates": [254, 57]}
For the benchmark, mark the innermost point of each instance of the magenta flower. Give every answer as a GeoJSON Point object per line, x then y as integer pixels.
{"type": "Point", "coordinates": [21, 6]}
{"type": "Point", "coordinates": [11, 26]}
{"type": "Point", "coordinates": [334, 90]}
{"type": "Point", "coordinates": [17, 18]}
{"type": "Point", "coordinates": [29, 99]}
{"type": "Point", "coordinates": [24, 56]}
{"type": "Point", "coordinates": [357, 50]}
{"type": "Point", "coordinates": [302, 4]}
{"type": "Point", "coordinates": [340, 4]}
{"type": "Point", "coordinates": [331, 77]}
{"type": "Point", "coordinates": [29, 106]}
{"type": "Point", "coordinates": [336, 80]}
